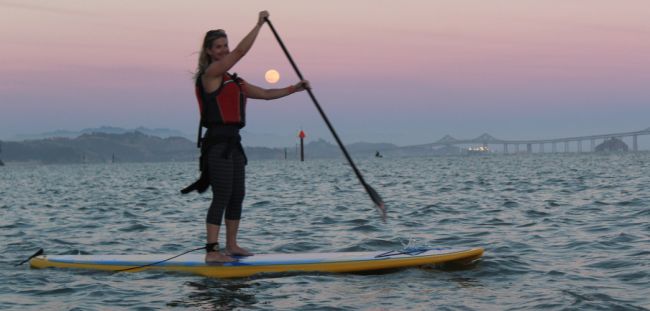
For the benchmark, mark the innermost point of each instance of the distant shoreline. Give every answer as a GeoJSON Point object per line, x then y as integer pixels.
{"type": "Point", "coordinates": [120, 145]}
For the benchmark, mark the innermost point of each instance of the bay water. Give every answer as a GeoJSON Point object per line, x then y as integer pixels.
{"type": "Point", "coordinates": [560, 232]}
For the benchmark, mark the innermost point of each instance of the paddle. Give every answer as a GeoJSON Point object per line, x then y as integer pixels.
{"type": "Point", "coordinates": [374, 196]}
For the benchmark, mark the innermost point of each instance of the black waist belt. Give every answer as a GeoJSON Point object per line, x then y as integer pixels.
{"type": "Point", "coordinates": [212, 138]}
{"type": "Point", "coordinates": [232, 143]}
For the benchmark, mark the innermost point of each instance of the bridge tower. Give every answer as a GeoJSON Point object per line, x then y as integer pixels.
{"type": "Point", "coordinates": [579, 146]}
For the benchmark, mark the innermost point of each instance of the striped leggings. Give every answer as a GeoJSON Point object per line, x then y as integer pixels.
{"type": "Point", "coordinates": [227, 182]}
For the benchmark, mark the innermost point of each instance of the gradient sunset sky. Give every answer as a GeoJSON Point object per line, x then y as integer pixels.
{"type": "Point", "coordinates": [404, 72]}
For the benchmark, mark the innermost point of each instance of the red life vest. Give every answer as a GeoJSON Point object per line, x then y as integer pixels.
{"type": "Point", "coordinates": [226, 105]}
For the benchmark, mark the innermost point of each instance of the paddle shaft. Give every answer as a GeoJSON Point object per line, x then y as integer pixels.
{"type": "Point", "coordinates": [371, 192]}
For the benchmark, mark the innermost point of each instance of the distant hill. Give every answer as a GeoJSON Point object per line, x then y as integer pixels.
{"type": "Point", "coordinates": [612, 145]}
{"type": "Point", "coordinates": [101, 147]}
{"type": "Point", "coordinates": [137, 146]}
{"type": "Point", "coordinates": [249, 138]}
{"type": "Point", "coordinates": [158, 132]}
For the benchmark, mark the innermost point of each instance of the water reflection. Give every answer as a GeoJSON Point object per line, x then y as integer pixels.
{"type": "Point", "coordinates": [215, 294]}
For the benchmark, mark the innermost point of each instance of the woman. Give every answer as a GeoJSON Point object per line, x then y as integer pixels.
{"type": "Point", "coordinates": [222, 102]}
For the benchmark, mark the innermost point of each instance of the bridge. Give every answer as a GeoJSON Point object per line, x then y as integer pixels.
{"type": "Point", "coordinates": [487, 139]}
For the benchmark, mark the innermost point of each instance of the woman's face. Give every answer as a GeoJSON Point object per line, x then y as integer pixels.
{"type": "Point", "coordinates": [219, 49]}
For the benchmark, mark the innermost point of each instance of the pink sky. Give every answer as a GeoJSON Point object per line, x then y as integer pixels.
{"type": "Point", "coordinates": [404, 72]}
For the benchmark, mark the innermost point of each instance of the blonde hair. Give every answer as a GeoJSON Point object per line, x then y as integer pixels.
{"type": "Point", "coordinates": [204, 59]}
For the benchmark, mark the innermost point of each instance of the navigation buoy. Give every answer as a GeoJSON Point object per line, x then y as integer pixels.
{"type": "Point", "coordinates": [302, 136]}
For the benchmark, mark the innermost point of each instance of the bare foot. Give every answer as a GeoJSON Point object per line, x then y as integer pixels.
{"type": "Point", "coordinates": [217, 257]}
{"type": "Point", "coordinates": [237, 251]}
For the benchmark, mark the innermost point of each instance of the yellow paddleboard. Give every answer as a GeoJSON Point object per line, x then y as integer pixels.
{"type": "Point", "coordinates": [266, 263]}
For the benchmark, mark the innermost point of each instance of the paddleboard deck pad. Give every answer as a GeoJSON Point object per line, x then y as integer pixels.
{"type": "Point", "coordinates": [337, 262]}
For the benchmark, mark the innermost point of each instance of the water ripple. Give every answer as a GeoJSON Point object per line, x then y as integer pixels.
{"type": "Point", "coordinates": [560, 232]}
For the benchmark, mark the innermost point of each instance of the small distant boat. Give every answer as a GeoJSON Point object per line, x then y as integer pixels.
{"type": "Point", "coordinates": [478, 150]}
{"type": "Point", "coordinates": [378, 155]}
{"type": "Point", "coordinates": [2, 163]}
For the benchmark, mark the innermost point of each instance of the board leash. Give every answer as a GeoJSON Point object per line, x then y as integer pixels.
{"type": "Point", "coordinates": [38, 253]}
{"type": "Point", "coordinates": [159, 262]}
{"type": "Point", "coordinates": [407, 251]}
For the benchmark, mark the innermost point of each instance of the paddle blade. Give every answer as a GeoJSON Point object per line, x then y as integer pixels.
{"type": "Point", "coordinates": [379, 203]}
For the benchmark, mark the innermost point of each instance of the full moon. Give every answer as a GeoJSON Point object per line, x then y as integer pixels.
{"type": "Point", "coordinates": [272, 76]}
